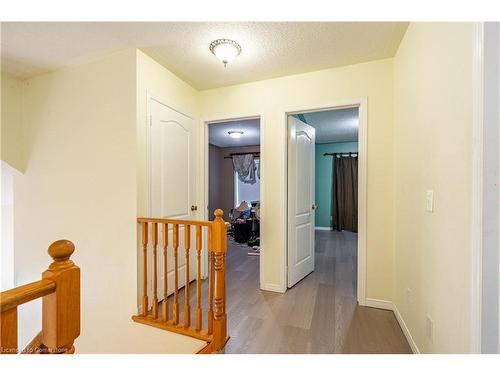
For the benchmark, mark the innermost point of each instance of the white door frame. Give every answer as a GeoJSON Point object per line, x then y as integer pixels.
{"type": "Point", "coordinates": [204, 159]}
{"type": "Point", "coordinates": [485, 224]}
{"type": "Point", "coordinates": [477, 189]}
{"type": "Point", "coordinates": [362, 104]}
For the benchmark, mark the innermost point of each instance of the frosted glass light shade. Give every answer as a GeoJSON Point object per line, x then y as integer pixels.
{"type": "Point", "coordinates": [235, 134]}
{"type": "Point", "coordinates": [226, 50]}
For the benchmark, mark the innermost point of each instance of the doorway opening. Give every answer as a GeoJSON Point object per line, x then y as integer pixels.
{"type": "Point", "coordinates": [234, 185]}
{"type": "Point", "coordinates": [325, 205]}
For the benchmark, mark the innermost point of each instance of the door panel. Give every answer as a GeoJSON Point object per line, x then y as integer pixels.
{"type": "Point", "coordinates": [303, 238]}
{"type": "Point", "coordinates": [173, 186]}
{"type": "Point", "coordinates": [301, 138]}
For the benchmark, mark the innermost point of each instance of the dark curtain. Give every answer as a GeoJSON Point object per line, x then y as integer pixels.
{"type": "Point", "coordinates": [345, 193]}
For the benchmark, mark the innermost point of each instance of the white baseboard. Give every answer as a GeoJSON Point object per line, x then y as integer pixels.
{"type": "Point", "coordinates": [322, 228]}
{"type": "Point", "coordinates": [272, 288]}
{"type": "Point", "coordinates": [406, 331]}
{"type": "Point", "coordinates": [379, 304]}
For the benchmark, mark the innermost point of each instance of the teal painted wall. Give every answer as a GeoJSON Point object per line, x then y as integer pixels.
{"type": "Point", "coordinates": [323, 181]}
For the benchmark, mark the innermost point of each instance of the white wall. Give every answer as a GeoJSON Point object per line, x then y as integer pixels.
{"type": "Point", "coordinates": [13, 156]}
{"type": "Point", "coordinates": [432, 150]}
{"type": "Point", "coordinates": [12, 134]}
{"type": "Point", "coordinates": [272, 98]}
{"type": "Point", "coordinates": [80, 184]}
{"type": "Point", "coordinates": [7, 226]}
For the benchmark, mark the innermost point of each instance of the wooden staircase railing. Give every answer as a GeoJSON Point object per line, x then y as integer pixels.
{"type": "Point", "coordinates": [215, 332]}
{"type": "Point", "coordinates": [59, 289]}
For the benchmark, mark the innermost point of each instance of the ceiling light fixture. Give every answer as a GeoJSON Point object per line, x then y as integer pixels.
{"type": "Point", "coordinates": [235, 134]}
{"type": "Point", "coordinates": [226, 50]}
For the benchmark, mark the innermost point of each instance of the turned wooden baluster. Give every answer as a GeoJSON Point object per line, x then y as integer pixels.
{"type": "Point", "coordinates": [144, 227]}
{"type": "Point", "coordinates": [219, 244]}
{"type": "Point", "coordinates": [210, 281]}
{"type": "Point", "coordinates": [155, 270]}
{"type": "Point", "coordinates": [198, 277]}
{"type": "Point", "coordinates": [61, 310]}
{"type": "Point", "coordinates": [8, 331]}
{"type": "Point", "coordinates": [165, 273]}
{"type": "Point", "coordinates": [176, 275]}
{"type": "Point", "coordinates": [187, 245]}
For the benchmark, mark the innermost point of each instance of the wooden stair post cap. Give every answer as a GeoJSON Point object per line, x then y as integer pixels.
{"type": "Point", "coordinates": [61, 250]}
{"type": "Point", "coordinates": [218, 213]}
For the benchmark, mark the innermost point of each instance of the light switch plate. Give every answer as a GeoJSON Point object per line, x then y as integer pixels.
{"type": "Point", "coordinates": [429, 200]}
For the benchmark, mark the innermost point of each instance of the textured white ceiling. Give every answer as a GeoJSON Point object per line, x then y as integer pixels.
{"type": "Point", "coordinates": [269, 49]}
{"type": "Point", "coordinates": [339, 125]}
{"type": "Point", "coordinates": [218, 133]}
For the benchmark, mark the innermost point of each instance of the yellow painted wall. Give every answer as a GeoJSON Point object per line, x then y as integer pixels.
{"type": "Point", "coordinates": [432, 150]}
{"type": "Point", "coordinates": [80, 184]}
{"type": "Point", "coordinates": [272, 98]}
{"type": "Point", "coordinates": [12, 134]}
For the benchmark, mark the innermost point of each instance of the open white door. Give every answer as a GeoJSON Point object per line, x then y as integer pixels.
{"type": "Point", "coordinates": [173, 181]}
{"type": "Point", "coordinates": [301, 138]}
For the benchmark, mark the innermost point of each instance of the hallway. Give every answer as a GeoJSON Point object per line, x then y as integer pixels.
{"type": "Point", "coordinates": [318, 315]}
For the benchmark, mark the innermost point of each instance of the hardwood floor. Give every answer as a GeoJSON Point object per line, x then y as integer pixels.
{"type": "Point", "coordinates": [318, 315]}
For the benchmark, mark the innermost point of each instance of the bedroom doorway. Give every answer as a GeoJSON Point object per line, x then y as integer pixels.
{"type": "Point", "coordinates": [234, 185]}
{"type": "Point", "coordinates": [326, 205]}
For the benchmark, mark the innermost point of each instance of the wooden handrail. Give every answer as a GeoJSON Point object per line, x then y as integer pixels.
{"type": "Point", "coordinates": [173, 221]}
{"type": "Point", "coordinates": [60, 293]}
{"type": "Point", "coordinates": [173, 252]}
{"type": "Point", "coordinates": [25, 293]}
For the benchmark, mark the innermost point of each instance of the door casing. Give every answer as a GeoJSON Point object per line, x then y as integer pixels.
{"type": "Point", "coordinates": [362, 104]}
{"type": "Point", "coordinates": [204, 182]}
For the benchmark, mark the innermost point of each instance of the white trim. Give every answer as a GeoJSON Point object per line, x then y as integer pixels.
{"type": "Point", "coordinates": [362, 200]}
{"type": "Point", "coordinates": [379, 304]}
{"type": "Point", "coordinates": [204, 155]}
{"type": "Point", "coordinates": [477, 189]}
{"type": "Point", "coordinates": [272, 287]}
{"type": "Point", "coordinates": [406, 331]}
{"type": "Point", "coordinates": [322, 228]}
{"type": "Point", "coordinates": [362, 103]}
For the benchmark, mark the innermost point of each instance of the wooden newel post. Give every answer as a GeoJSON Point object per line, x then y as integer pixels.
{"type": "Point", "coordinates": [61, 309]}
{"type": "Point", "coordinates": [219, 249]}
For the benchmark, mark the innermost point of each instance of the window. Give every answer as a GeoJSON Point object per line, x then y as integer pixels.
{"type": "Point", "coordinates": [246, 192]}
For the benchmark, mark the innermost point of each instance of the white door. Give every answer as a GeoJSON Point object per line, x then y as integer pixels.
{"type": "Point", "coordinates": [173, 184]}
{"type": "Point", "coordinates": [301, 138]}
